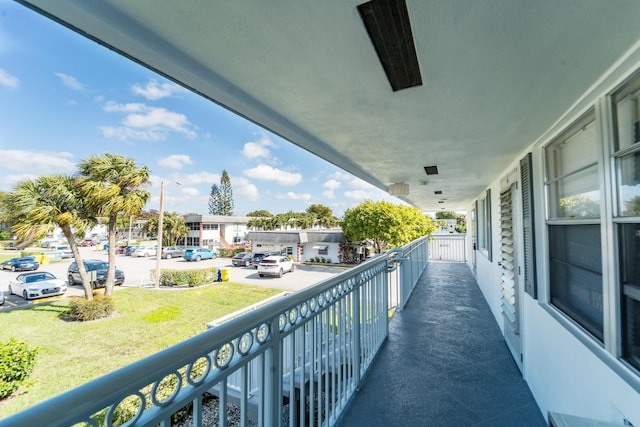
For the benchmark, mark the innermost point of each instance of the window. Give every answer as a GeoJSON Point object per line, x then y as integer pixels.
{"type": "Point", "coordinates": [484, 224]}
{"type": "Point", "coordinates": [573, 225]}
{"type": "Point", "coordinates": [626, 158]}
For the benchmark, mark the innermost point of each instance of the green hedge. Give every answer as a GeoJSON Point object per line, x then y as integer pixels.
{"type": "Point", "coordinates": [97, 308]}
{"type": "Point", "coordinates": [189, 278]}
{"type": "Point", "coordinates": [16, 363]}
{"type": "Point", "coordinates": [230, 252]}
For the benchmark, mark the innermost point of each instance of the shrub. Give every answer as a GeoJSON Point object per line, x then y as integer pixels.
{"type": "Point", "coordinates": [230, 252]}
{"type": "Point", "coordinates": [16, 363]}
{"type": "Point", "coordinates": [189, 278]}
{"type": "Point", "coordinates": [97, 308]}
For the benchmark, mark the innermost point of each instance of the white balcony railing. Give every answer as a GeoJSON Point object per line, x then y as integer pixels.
{"type": "Point", "coordinates": [298, 358]}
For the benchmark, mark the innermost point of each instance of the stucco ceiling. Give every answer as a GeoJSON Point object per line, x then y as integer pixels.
{"type": "Point", "coordinates": [496, 74]}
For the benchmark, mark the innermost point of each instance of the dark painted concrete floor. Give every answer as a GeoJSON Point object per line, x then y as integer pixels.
{"type": "Point", "coordinates": [445, 363]}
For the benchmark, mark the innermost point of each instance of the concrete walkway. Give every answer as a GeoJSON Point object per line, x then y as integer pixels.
{"type": "Point", "coordinates": [445, 363]}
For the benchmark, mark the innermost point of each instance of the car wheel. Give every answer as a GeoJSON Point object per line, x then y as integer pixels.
{"type": "Point", "coordinates": [71, 281]}
{"type": "Point", "coordinates": [10, 290]}
{"type": "Point", "coordinates": [25, 295]}
{"type": "Point", "coordinates": [168, 256]}
{"type": "Point", "coordinates": [261, 275]}
{"type": "Point", "coordinates": [246, 263]}
{"type": "Point", "coordinates": [198, 258]}
{"type": "Point", "coordinates": [280, 273]}
{"type": "Point", "coordinates": [146, 254]}
{"type": "Point", "coordinates": [293, 267]}
{"type": "Point", "coordinates": [13, 268]}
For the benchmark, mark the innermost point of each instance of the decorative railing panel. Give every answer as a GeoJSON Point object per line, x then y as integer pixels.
{"type": "Point", "coordinates": [294, 361]}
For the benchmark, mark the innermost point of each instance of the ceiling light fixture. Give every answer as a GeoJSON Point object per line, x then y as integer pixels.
{"type": "Point", "coordinates": [387, 23]}
{"type": "Point", "coordinates": [399, 189]}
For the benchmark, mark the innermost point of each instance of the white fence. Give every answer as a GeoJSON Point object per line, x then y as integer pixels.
{"type": "Point", "coordinates": [447, 247]}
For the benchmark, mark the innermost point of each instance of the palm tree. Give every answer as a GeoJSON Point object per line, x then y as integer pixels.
{"type": "Point", "coordinates": [174, 228]}
{"type": "Point", "coordinates": [36, 206]}
{"type": "Point", "coordinates": [111, 185]}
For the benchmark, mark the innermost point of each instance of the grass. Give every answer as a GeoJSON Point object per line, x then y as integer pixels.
{"type": "Point", "coordinates": [147, 320]}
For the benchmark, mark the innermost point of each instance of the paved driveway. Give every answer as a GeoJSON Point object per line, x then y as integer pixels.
{"type": "Point", "coordinates": [137, 273]}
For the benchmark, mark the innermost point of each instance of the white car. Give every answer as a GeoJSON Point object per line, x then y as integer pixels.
{"type": "Point", "coordinates": [275, 265]}
{"type": "Point", "coordinates": [65, 251]}
{"type": "Point", "coordinates": [144, 251]}
{"type": "Point", "coordinates": [37, 284]}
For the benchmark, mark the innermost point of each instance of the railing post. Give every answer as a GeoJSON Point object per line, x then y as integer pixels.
{"type": "Point", "coordinates": [356, 334]}
{"type": "Point", "coordinates": [273, 378]}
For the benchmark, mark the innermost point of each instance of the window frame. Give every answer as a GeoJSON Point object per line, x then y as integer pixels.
{"type": "Point", "coordinates": [550, 152]}
{"type": "Point", "coordinates": [483, 225]}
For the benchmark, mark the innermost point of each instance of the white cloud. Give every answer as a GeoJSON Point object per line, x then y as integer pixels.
{"type": "Point", "coordinates": [41, 161]}
{"type": "Point", "coordinates": [359, 184]}
{"type": "Point", "coordinates": [175, 161]}
{"type": "Point", "coordinates": [154, 90]}
{"type": "Point", "coordinates": [243, 187]}
{"type": "Point", "coordinates": [258, 149]}
{"type": "Point", "coordinates": [358, 195]}
{"type": "Point", "coordinates": [8, 80]}
{"type": "Point", "coordinates": [190, 191]}
{"type": "Point", "coordinates": [200, 178]}
{"type": "Point", "coordinates": [268, 173]}
{"type": "Point", "coordinates": [329, 194]}
{"type": "Point", "coordinates": [294, 196]}
{"type": "Point", "coordinates": [340, 176]}
{"type": "Point", "coordinates": [146, 123]}
{"type": "Point", "coordinates": [71, 82]}
{"type": "Point", "coordinates": [331, 184]}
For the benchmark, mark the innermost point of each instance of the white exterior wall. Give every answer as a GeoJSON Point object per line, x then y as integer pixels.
{"type": "Point", "coordinates": [567, 370]}
{"type": "Point", "coordinates": [333, 252]}
{"type": "Point", "coordinates": [234, 230]}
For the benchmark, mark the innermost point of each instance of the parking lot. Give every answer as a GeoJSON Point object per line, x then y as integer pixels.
{"type": "Point", "coordinates": [137, 274]}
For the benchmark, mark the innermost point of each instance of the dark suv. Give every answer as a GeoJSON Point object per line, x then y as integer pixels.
{"type": "Point", "coordinates": [94, 267]}
{"type": "Point", "coordinates": [258, 256]}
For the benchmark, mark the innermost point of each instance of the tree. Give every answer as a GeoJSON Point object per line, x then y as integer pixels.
{"type": "Point", "coordinates": [385, 224]}
{"type": "Point", "coordinates": [260, 213]}
{"type": "Point", "coordinates": [324, 215]}
{"type": "Point", "coordinates": [110, 184]}
{"type": "Point", "coordinates": [174, 228]}
{"type": "Point", "coordinates": [36, 206]}
{"type": "Point", "coordinates": [461, 220]}
{"type": "Point", "coordinates": [221, 197]}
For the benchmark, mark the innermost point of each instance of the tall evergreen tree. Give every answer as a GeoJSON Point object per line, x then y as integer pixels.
{"type": "Point", "coordinates": [221, 197]}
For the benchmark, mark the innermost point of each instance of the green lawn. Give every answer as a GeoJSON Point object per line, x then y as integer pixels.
{"type": "Point", "coordinates": [147, 320]}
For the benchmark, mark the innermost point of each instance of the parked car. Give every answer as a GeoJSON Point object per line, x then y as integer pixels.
{"type": "Point", "coordinates": [93, 265]}
{"type": "Point", "coordinates": [1, 297]}
{"type": "Point", "coordinates": [258, 257]}
{"type": "Point", "coordinates": [275, 265]}
{"type": "Point", "coordinates": [128, 250]}
{"type": "Point", "coordinates": [21, 264]}
{"type": "Point", "coordinates": [37, 285]}
{"type": "Point", "coordinates": [87, 242]}
{"type": "Point", "coordinates": [120, 249]}
{"type": "Point", "coordinates": [144, 251]}
{"type": "Point", "coordinates": [196, 254]}
{"type": "Point", "coordinates": [242, 259]}
{"type": "Point", "coordinates": [172, 252]}
{"type": "Point", "coordinates": [65, 251]}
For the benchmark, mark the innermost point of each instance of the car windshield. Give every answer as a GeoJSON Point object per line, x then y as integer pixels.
{"type": "Point", "coordinates": [39, 277]}
{"type": "Point", "coordinates": [97, 266]}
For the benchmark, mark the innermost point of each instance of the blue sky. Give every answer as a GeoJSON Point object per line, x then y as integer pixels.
{"type": "Point", "coordinates": [64, 98]}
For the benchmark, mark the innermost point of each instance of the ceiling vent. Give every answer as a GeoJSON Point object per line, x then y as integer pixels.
{"type": "Point", "coordinates": [387, 22]}
{"type": "Point", "coordinates": [431, 170]}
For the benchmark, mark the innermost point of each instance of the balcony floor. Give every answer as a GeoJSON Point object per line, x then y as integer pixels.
{"type": "Point", "coordinates": [445, 363]}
